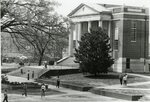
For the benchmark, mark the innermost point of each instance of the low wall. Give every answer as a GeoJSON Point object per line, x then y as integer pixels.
{"type": "Point", "coordinates": [116, 95]}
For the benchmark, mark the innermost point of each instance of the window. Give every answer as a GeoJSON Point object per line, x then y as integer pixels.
{"type": "Point", "coordinates": [116, 35]}
{"type": "Point", "coordinates": [133, 31]}
{"type": "Point", "coordinates": [116, 44]}
{"type": "Point", "coordinates": [128, 63]}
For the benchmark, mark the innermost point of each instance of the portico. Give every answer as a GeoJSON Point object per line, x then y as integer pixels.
{"type": "Point", "coordinates": [85, 18]}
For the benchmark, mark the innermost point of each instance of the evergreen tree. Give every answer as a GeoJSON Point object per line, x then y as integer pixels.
{"type": "Point", "coordinates": [93, 53]}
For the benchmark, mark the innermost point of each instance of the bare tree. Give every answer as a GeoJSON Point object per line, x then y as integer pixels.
{"type": "Point", "coordinates": [34, 23]}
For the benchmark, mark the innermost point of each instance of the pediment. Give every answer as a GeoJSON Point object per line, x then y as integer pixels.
{"type": "Point", "coordinates": [84, 10]}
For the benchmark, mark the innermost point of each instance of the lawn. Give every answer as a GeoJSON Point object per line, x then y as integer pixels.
{"type": "Point", "coordinates": [100, 80]}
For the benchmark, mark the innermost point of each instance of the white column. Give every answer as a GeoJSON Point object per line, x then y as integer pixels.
{"type": "Point", "coordinates": [89, 26]}
{"type": "Point", "coordinates": [109, 28]}
{"type": "Point", "coordinates": [100, 23]}
{"type": "Point", "coordinates": [76, 31]}
{"type": "Point", "coordinates": [78, 34]}
{"type": "Point", "coordinates": [71, 41]}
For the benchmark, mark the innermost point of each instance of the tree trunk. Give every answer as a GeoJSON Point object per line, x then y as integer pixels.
{"type": "Point", "coordinates": [40, 60]}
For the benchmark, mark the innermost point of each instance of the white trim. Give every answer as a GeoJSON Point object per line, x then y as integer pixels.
{"type": "Point", "coordinates": [134, 10]}
{"type": "Point", "coordinates": [129, 19]}
{"type": "Point", "coordinates": [129, 13]}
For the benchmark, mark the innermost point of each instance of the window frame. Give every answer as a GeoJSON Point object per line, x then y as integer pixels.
{"type": "Point", "coordinates": [133, 31]}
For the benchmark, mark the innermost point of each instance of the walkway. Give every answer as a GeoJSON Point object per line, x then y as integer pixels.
{"type": "Point", "coordinates": [76, 96]}
{"type": "Point", "coordinates": [68, 96]}
{"type": "Point", "coordinates": [135, 87]}
{"type": "Point", "coordinates": [130, 84]}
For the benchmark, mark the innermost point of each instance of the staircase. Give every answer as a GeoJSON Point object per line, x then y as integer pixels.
{"type": "Point", "coordinates": [68, 61]}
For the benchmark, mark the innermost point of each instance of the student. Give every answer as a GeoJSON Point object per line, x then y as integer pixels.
{"type": "Point", "coordinates": [43, 88]}
{"type": "Point", "coordinates": [121, 78]}
{"type": "Point", "coordinates": [125, 79]}
{"type": "Point", "coordinates": [28, 75]}
{"type": "Point", "coordinates": [58, 82]}
{"type": "Point", "coordinates": [24, 89]}
{"type": "Point", "coordinates": [21, 71]}
{"type": "Point", "coordinates": [45, 64]}
{"type": "Point", "coordinates": [32, 74]}
{"type": "Point", "coordinates": [5, 96]}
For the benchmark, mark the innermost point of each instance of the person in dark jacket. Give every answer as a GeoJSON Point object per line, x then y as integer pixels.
{"type": "Point", "coordinates": [58, 82]}
{"type": "Point", "coordinates": [32, 74]}
{"type": "Point", "coordinates": [5, 96]}
{"type": "Point", "coordinates": [121, 78]}
{"type": "Point", "coordinates": [28, 75]}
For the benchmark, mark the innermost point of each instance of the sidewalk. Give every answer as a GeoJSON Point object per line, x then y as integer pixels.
{"type": "Point", "coordinates": [76, 96]}
{"type": "Point", "coordinates": [68, 96]}
{"type": "Point", "coordinates": [118, 86]}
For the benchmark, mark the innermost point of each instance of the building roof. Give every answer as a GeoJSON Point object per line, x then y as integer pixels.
{"type": "Point", "coordinates": [94, 6]}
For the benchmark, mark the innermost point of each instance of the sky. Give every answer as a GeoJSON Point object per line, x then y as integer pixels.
{"type": "Point", "coordinates": [68, 5]}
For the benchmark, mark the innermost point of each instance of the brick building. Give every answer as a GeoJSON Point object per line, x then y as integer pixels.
{"type": "Point", "coordinates": [127, 27]}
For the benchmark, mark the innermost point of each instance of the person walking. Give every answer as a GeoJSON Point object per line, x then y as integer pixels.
{"type": "Point", "coordinates": [43, 89]}
{"type": "Point", "coordinates": [24, 90]}
{"type": "Point", "coordinates": [58, 82]}
{"type": "Point", "coordinates": [121, 78]}
{"type": "Point", "coordinates": [5, 96]}
{"type": "Point", "coordinates": [32, 74]}
{"type": "Point", "coordinates": [45, 64]}
{"type": "Point", "coordinates": [125, 79]}
{"type": "Point", "coordinates": [21, 71]}
{"type": "Point", "coordinates": [28, 75]}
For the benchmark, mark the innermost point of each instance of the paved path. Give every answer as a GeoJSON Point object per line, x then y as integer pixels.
{"type": "Point", "coordinates": [146, 97]}
{"type": "Point", "coordinates": [75, 96]}
{"type": "Point", "coordinates": [68, 96]}
{"type": "Point", "coordinates": [130, 84]}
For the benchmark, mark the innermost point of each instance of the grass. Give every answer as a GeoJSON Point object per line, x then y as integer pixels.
{"type": "Point", "coordinates": [100, 80]}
